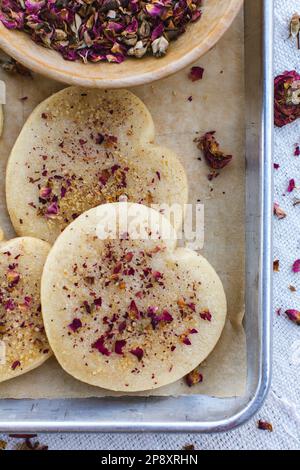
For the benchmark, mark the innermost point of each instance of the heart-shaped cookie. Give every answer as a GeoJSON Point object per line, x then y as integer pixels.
{"type": "Point", "coordinates": [23, 343]}
{"type": "Point", "coordinates": [81, 148]}
{"type": "Point", "coordinates": [123, 307]}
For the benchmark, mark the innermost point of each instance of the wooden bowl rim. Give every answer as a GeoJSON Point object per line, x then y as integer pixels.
{"type": "Point", "coordinates": [37, 65]}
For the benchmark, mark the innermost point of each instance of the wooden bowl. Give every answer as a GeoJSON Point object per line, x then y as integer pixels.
{"type": "Point", "coordinates": [196, 41]}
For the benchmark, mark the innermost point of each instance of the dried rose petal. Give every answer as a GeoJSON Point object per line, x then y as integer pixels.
{"type": "Point", "coordinates": [196, 73]}
{"type": "Point", "coordinates": [295, 28]}
{"type": "Point", "coordinates": [45, 192]}
{"type": "Point", "coordinates": [296, 266]}
{"type": "Point", "coordinates": [106, 30]}
{"type": "Point", "coordinates": [13, 278]}
{"type": "Point", "coordinates": [99, 139]}
{"type": "Point", "coordinates": [264, 425]}
{"type": "Point", "coordinates": [119, 345]}
{"type": "Point", "coordinates": [152, 310]}
{"type": "Point", "coordinates": [98, 302]}
{"type": "Point", "coordinates": [193, 378]}
{"type": "Point", "coordinates": [87, 307]}
{"type": "Point", "coordinates": [280, 214]}
{"type": "Point", "coordinates": [293, 315]}
{"type": "Point", "coordinates": [15, 365]}
{"type": "Point", "coordinates": [134, 313]}
{"type": "Point", "coordinates": [10, 305]}
{"type": "Point", "coordinates": [138, 352]}
{"type": "Point", "coordinates": [193, 331]}
{"type": "Point", "coordinates": [287, 98]}
{"type": "Point", "coordinates": [52, 211]}
{"type": "Point", "coordinates": [99, 345]}
{"type": "Point", "coordinates": [157, 275]}
{"type": "Point", "coordinates": [188, 447]}
{"type": "Point", "coordinates": [166, 316]}
{"type": "Point", "coordinates": [206, 315]}
{"type": "Point", "coordinates": [122, 327]}
{"type": "Point", "coordinates": [185, 339]}
{"type": "Point", "coordinates": [211, 150]}
{"type": "Point", "coordinates": [297, 151]}
{"type": "Point", "coordinates": [291, 186]}
{"type": "Point", "coordinates": [276, 166]}
{"type": "Point", "coordinates": [75, 325]}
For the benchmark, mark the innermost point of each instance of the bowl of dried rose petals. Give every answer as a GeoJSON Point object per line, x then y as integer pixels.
{"type": "Point", "coordinates": [112, 43]}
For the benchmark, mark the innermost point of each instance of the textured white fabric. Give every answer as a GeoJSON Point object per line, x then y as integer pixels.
{"type": "Point", "coordinates": [282, 408]}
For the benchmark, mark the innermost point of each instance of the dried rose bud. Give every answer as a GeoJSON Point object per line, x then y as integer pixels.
{"type": "Point", "coordinates": [276, 266]}
{"type": "Point", "coordinates": [296, 266]}
{"type": "Point", "coordinates": [264, 426]}
{"type": "Point", "coordinates": [196, 73]}
{"type": "Point", "coordinates": [295, 28]}
{"type": "Point", "coordinates": [294, 316]}
{"type": "Point", "coordinates": [280, 214]}
{"type": "Point", "coordinates": [287, 98]}
{"type": "Point", "coordinates": [193, 378]}
{"type": "Point", "coordinates": [98, 302]}
{"type": "Point", "coordinates": [181, 303]}
{"type": "Point", "coordinates": [211, 149]}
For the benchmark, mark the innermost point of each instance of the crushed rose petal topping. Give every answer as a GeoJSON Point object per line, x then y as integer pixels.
{"type": "Point", "coordinates": [280, 214]}
{"type": "Point", "coordinates": [193, 378]}
{"type": "Point", "coordinates": [264, 425]}
{"type": "Point", "coordinates": [293, 315]}
{"type": "Point", "coordinates": [291, 186]}
{"type": "Point", "coordinates": [296, 266]}
{"type": "Point", "coordinates": [146, 315]}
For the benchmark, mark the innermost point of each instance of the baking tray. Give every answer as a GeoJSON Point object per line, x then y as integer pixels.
{"type": "Point", "coordinates": [198, 413]}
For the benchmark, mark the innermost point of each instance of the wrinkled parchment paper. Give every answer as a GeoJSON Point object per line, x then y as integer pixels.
{"type": "Point", "coordinates": [217, 103]}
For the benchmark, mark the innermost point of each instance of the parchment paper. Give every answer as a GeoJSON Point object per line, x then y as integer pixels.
{"type": "Point", "coordinates": [217, 104]}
